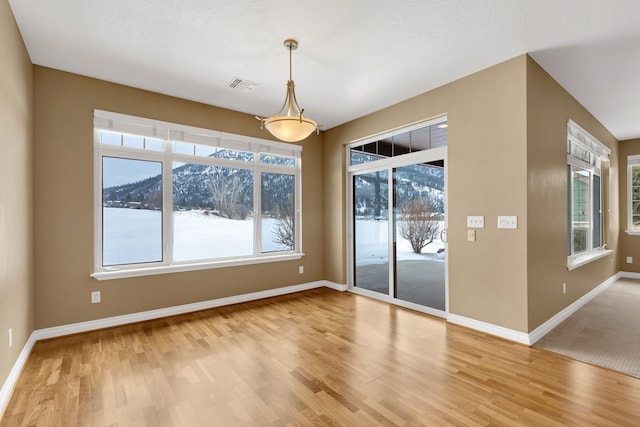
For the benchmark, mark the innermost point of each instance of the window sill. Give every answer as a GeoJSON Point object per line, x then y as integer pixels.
{"type": "Point", "coordinates": [574, 262]}
{"type": "Point", "coordinates": [633, 232]}
{"type": "Point", "coordinates": [177, 268]}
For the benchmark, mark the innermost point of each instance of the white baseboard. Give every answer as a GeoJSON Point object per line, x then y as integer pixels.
{"type": "Point", "coordinates": [547, 326]}
{"type": "Point", "coordinates": [7, 388]}
{"type": "Point", "coordinates": [629, 275]}
{"type": "Point", "coordinates": [57, 331]}
{"type": "Point", "coordinates": [489, 328]}
{"type": "Point", "coordinates": [142, 316]}
{"type": "Point", "coordinates": [542, 330]}
{"type": "Point", "coordinates": [335, 286]}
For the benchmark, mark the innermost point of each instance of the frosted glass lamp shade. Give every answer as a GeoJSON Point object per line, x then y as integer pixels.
{"type": "Point", "coordinates": [290, 128]}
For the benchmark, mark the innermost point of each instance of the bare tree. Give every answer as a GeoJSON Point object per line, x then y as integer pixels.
{"type": "Point", "coordinates": [284, 232]}
{"type": "Point", "coordinates": [227, 196]}
{"type": "Point", "coordinates": [418, 223]}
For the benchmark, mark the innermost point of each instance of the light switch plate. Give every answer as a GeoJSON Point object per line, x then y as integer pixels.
{"type": "Point", "coordinates": [471, 235]}
{"type": "Point", "coordinates": [507, 222]}
{"type": "Point", "coordinates": [475, 221]}
{"type": "Point", "coordinates": [95, 297]}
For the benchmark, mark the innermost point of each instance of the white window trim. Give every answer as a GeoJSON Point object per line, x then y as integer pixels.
{"type": "Point", "coordinates": [575, 261]}
{"type": "Point", "coordinates": [633, 160]}
{"type": "Point", "coordinates": [576, 135]}
{"type": "Point", "coordinates": [116, 273]}
{"type": "Point", "coordinates": [105, 120]}
{"type": "Point", "coordinates": [580, 136]}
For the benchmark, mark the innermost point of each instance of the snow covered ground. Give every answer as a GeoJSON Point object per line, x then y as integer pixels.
{"type": "Point", "coordinates": [135, 236]}
{"type": "Point", "coordinates": [372, 245]}
{"type": "Point", "coordinates": [198, 236]}
{"type": "Point", "coordinates": [131, 236]}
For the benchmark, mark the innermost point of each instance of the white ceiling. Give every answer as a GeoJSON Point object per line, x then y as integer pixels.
{"type": "Point", "coordinates": [355, 56]}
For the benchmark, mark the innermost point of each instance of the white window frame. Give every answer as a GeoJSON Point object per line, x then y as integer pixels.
{"type": "Point", "coordinates": [580, 140]}
{"type": "Point", "coordinates": [632, 161]}
{"type": "Point", "coordinates": [168, 132]}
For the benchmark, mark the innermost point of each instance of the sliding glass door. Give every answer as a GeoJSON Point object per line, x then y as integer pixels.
{"type": "Point", "coordinates": [371, 230]}
{"type": "Point", "coordinates": [419, 247]}
{"type": "Point", "coordinates": [398, 247]}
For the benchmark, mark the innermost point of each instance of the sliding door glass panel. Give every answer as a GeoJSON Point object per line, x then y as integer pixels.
{"type": "Point", "coordinates": [371, 228]}
{"type": "Point", "coordinates": [418, 223]}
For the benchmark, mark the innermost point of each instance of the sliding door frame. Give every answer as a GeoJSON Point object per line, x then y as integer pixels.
{"type": "Point", "coordinates": [388, 164]}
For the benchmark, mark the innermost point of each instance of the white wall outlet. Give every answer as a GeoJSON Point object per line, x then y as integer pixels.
{"type": "Point", "coordinates": [475, 222]}
{"type": "Point", "coordinates": [564, 287]}
{"type": "Point", "coordinates": [301, 269]}
{"type": "Point", "coordinates": [507, 222]}
{"type": "Point", "coordinates": [10, 334]}
{"type": "Point", "coordinates": [629, 260]}
{"type": "Point", "coordinates": [95, 297]}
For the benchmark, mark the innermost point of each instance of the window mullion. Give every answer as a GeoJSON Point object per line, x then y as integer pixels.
{"type": "Point", "coordinates": [591, 221]}
{"type": "Point", "coordinates": [631, 170]}
{"type": "Point", "coordinates": [571, 213]}
{"type": "Point", "coordinates": [297, 207]}
{"type": "Point", "coordinates": [97, 214]}
{"type": "Point", "coordinates": [167, 204]}
{"type": "Point", "coordinates": [257, 208]}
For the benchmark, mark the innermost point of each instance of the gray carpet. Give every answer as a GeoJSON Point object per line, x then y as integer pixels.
{"type": "Point", "coordinates": [604, 332]}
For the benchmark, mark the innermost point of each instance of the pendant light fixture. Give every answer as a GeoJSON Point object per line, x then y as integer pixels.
{"type": "Point", "coordinates": [289, 124]}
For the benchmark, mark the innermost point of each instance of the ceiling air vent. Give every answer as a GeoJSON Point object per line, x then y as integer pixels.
{"type": "Point", "coordinates": [244, 85]}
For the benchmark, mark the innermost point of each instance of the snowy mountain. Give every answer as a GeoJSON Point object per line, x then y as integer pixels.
{"type": "Point", "coordinates": [415, 181]}
{"type": "Point", "coordinates": [229, 191]}
{"type": "Point", "coordinates": [223, 189]}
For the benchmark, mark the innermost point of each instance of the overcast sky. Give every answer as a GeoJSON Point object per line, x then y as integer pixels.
{"type": "Point", "coordinates": [117, 171]}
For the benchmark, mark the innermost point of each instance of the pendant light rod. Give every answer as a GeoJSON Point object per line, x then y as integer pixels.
{"type": "Point", "coordinates": [291, 45]}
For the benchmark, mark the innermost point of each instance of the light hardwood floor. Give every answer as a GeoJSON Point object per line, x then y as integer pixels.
{"type": "Point", "coordinates": [319, 357]}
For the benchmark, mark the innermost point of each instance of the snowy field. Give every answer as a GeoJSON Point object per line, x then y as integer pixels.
{"type": "Point", "coordinates": [131, 236]}
{"type": "Point", "coordinates": [199, 236]}
{"type": "Point", "coordinates": [135, 236]}
{"type": "Point", "coordinates": [372, 246]}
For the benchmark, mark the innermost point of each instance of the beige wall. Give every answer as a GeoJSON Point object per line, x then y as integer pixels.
{"type": "Point", "coordinates": [16, 111]}
{"type": "Point", "coordinates": [486, 176]}
{"type": "Point", "coordinates": [549, 107]}
{"type": "Point", "coordinates": [507, 156]}
{"type": "Point", "coordinates": [63, 199]}
{"type": "Point", "coordinates": [629, 245]}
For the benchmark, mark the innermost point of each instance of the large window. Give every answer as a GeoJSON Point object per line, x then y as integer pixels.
{"type": "Point", "coordinates": [586, 158]}
{"type": "Point", "coordinates": [633, 194]}
{"type": "Point", "coordinates": [173, 198]}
